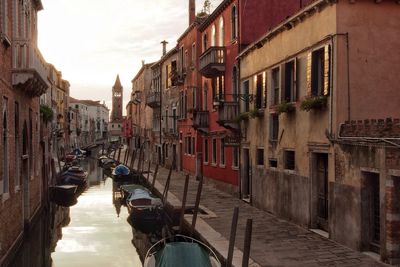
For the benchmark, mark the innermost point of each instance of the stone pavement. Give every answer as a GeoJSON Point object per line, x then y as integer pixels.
{"type": "Point", "coordinates": [275, 242]}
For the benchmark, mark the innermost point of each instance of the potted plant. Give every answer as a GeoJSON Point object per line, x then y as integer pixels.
{"type": "Point", "coordinates": [314, 102]}
{"type": "Point", "coordinates": [47, 113]}
{"type": "Point", "coordinates": [243, 116]}
{"type": "Point", "coordinates": [285, 107]}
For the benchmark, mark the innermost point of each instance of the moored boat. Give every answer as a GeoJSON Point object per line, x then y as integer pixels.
{"type": "Point", "coordinates": [180, 251]}
{"type": "Point", "coordinates": [121, 173]}
{"type": "Point", "coordinates": [63, 195]}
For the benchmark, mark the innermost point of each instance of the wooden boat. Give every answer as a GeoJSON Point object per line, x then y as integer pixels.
{"type": "Point", "coordinates": [63, 195]}
{"type": "Point", "coordinates": [108, 164]}
{"type": "Point", "coordinates": [180, 251]}
{"type": "Point", "coordinates": [121, 173]}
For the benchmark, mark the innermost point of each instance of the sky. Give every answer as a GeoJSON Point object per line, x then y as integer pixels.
{"type": "Point", "coordinates": [91, 41]}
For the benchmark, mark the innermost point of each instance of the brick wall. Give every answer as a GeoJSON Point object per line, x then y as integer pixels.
{"type": "Point", "coordinates": [388, 128]}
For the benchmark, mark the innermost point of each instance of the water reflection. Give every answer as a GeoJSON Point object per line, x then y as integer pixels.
{"type": "Point", "coordinates": [97, 235]}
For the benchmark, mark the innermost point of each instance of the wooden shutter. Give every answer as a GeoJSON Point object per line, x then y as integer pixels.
{"type": "Point", "coordinates": [309, 74]}
{"type": "Point", "coordinates": [264, 88]}
{"type": "Point", "coordinates": [283, 83]}
{"type": "Point", "coordinates": [327, 67]}
{"type": "Point", "coordinates": [294, 93]}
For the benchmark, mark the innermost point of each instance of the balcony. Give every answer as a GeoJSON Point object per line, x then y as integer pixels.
{"type": "Point", "coordinates": [228, 113]}
{"type": "Point", "coordinates": [153, 99]}
{"type": "Point", "coordinates": [29, 73]}
{"type": "Point", "coordinates": [201, 121]}
{"type": "Point", "coordinates": [212, 62]}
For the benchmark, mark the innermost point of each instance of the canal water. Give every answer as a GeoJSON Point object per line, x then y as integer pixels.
{"type": "Point", "coordinates": [92, 233]}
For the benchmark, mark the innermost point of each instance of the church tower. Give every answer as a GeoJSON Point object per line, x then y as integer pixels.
{"type": "Point", "coordinates": [117, 94]}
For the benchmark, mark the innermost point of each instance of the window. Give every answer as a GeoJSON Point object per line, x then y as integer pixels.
{"type": "Point", "coordinates": [274, 127]}
{"type": "Point", "coordinates": [221, 32]}
{"type": "Point", "coordinates": [166, 120]}
{"type": "Point", "coordinates": [166, 150]}
{"type": "Point", "coordinates": [182, 59]}
{"type": "Point", "coordinates": [17, 150]}
{"type": "Point", "coordinates": [320, 71]}
{"type": "Point", "coordinates": [5, 17]}
{"type": "Point", "coordinates": [5, 183]}
{"type": "Point", "coordinates": [234, 22]}
{"type": "Point", "coordinates": [189, 141]}
{"type": "Point", "coordinates": [235, 83]}
{"type": "Point", "coordinates": [214, 151]}
{"type": "Point", "coordinates": [206, 150]}
{"type": "Point", "coordinates": [174, 119]}
{"type": "Point", "coordinates": [260, 156]}
{"type": "Point", "coordinates": [213, 35]}
{"type": "Point", "coordinates": [275, 86]}
{"type": "Point", "coordinates": [259, 91]}
{"type": "Point", "coordinates": [289, 160]}
{"type": "Point", "coordinates": [31, 152]}
{"type": "Point", "coordinates": [218, 87]}
{"type": "Point", "coordinates": [193, 54]}
{"type": "Point", "coordinates": [273, 163]}
{"type": "Point", "coordinates": [193, 146]}
{"type": "Point", "coordinates": [246, 92]}
{"type": "Point", "coordinates": [289, 95]}
{"type": "Point", "coordinates": [222, 152]}
{"type": "Point", "coordinates": [186, 60]}
{"type": "Point", "coordinates": [235, 163]}
{"type": "Point", "coordinates": [205, 96]}
{"type": "Point", "coordinates": [205, 42]}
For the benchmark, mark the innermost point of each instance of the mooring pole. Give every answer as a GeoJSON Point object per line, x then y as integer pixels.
{"type": "Point", "coordinates": [196, 206]}
{"type": "Point", "coordinates": [185, 190]}
{"type": "Point", "coordinates": [232, 237]}
{"type": "Point", "coordinates": [166, 188]}
{"type": "Point", "coordinates": [119, 155]}
{"type": "Point", "coordinates": [154, 178]}
{"type": "Point", "coordinates": [247, 243]}
{"type": "Point", "coordinates": [148, 171]}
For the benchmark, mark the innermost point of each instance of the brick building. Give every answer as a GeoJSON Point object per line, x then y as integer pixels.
{"type": "Point", "coordinates": [116, 120]}
{"type": "Point", "coordinates": [23, 78]}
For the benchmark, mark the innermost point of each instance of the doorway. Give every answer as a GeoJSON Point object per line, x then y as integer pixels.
{"type": "Point", "coordinates": [25, 172]}
{"type": "Point", "coordinates": [321, 192]}
{"type": "Point", "coordinates": [246, 176]}
{"type": "Point", "coordinates": [371, 212]}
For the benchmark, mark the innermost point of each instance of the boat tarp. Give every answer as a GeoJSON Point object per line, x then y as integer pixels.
{"type": "Point", "coordinates": [182, 254]}
{"type": "Point", "coordinates": [131, 187]}
{"type": "Point", "coordinates": [144, 194]}
{"type": "Point", "coordinates": [121, 170]}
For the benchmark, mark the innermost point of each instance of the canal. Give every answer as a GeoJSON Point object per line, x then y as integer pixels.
{"type": "Point", "coordinates": [94, 232]}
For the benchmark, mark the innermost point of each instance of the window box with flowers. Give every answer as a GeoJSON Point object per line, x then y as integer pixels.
{"type": "Point", "coordinates": [314, 103]}
{"type": "Point", "coordinates": [285, 107]}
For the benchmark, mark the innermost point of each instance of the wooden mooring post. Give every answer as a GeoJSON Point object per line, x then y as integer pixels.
{"type": "Point", "coordinates": [185, 190]}
{"type": "Point", "coordinates": [247, 243]}
{"type": "Point", "coordinates": [197, 204]}
{"type": "Point", "coordinates": [166, 188]}
{"type": "Point", "coordinates": [154, 178]}
{"type": "Point", "coordinates": [119, 155]}
{"type": "Point", "coordinates": [132, 164]}
{"type": "Point", "coordinates": [148, 171]}
{"type": "Point", "coordinates": [232, 237]}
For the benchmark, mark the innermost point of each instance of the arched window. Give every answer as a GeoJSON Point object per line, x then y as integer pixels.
{"type": "Point", "coordinates": [205, 42]}
{"type": "Point", "coordinates": [213, 33]}
{"type": "Point", "coordinates": [221, 32]}
{"type": "Point", "coordinates": [5, 184]}
{"type": "Point", "coordinates": [234, 25]}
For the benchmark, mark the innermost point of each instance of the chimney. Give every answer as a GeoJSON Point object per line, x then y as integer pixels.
{"type": "Point", "coordinates": [192, 11]}
{"type": "Point", "coordinates": [142, 62]}
{"type": "Point", "coordinates": [164, 47]}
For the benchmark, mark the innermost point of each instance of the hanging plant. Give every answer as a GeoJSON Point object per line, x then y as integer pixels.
{"type": "Point", "coordinates": [242, 117]}
{"type": "Point", "coordinates": [47, 113]}
{"type": "Point", "coordinates": [285, 107]}
{"type": "Point", "coordinates": [314, 102]}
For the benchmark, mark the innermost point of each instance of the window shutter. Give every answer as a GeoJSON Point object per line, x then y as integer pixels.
{"type": "Point", "coordinates": [309, 72]}
{"type": "Point", "coordinates": [264, 88]}
{"type": "Point", "coordinates": [282, 85]}
{"type": "Point", "coordinates": [327, 66]}
{"type": "Point", "coordinates": [294, 93]}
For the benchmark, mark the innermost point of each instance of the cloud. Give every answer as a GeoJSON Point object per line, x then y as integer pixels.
{"type": "Point", "coordinates": [91, 41]}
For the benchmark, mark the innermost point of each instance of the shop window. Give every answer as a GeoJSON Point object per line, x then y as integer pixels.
{"type": "Point", "coordinates": [289, 158]}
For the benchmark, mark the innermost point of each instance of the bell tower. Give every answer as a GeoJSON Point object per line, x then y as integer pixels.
{"type": "Point", "coordinates": [117, 95]}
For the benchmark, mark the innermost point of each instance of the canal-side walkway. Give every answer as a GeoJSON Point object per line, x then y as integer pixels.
{"type": "Point", "coordinates": [275, 242]}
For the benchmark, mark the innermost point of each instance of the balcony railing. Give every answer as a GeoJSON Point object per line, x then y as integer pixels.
{"type": "Point", "coordinates": [212, 62]}
{"type": "Point", "coordinates": [228, 113]}
{"type": "Point", "coordinates": [30, 70]}
{"type": "Point", "coordinates": [201, 120]}
{"type": "Point", "coordinates": [153, 99]}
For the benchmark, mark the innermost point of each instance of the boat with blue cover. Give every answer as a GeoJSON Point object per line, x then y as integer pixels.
{"type": "Point", "coordinates": [121, 173]}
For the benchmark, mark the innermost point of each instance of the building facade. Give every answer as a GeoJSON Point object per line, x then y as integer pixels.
{"type": "Point", "coordinates": [23, 78]}
{"type": "Point", "coordinates": [315, 144]}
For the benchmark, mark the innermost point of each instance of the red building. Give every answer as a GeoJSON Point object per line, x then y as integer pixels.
{"type": "Point", "coordinates": [189, 138]}
{"type": "Point", "coordinates": [232, 26]}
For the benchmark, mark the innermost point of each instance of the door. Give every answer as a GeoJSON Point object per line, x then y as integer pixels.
{"type": "Point", "coordinates": [246, 176]}
{"type": "Point", "coordinates": [371, 212]}
{"type": "Point", "coordinates": [322, 191]}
